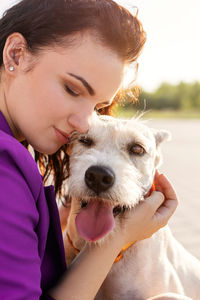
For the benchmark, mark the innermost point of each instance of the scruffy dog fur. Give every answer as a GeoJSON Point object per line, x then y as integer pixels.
{"type": "Point", "coordinates": [112, 168]}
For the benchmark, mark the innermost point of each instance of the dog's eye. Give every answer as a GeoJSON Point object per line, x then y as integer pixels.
{"type": "Point", "coordinates": [136, 149]}
{"type": "Point", "coordinates": [86, 141]}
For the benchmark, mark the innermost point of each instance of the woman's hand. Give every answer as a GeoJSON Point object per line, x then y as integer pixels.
{"type": "Point", "coordinates": [170, 203]}
{"type": "Point", "coordinates": [151, 214]}
{"type": "Point", "coordinates": [64, 210]}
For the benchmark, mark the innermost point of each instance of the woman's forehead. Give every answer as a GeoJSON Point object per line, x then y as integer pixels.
{"type": "Point", "coordinates": [88, 60]}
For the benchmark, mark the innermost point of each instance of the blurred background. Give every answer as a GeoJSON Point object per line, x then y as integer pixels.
{"type": "Point", "coordinates": [169, 78]}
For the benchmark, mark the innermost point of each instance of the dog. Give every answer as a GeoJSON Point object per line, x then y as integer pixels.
{"type": "Point", "coordinates": [111, 169]}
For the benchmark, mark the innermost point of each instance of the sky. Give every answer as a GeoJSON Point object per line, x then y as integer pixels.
{"type": "Point", "coordinates": [172, 51]}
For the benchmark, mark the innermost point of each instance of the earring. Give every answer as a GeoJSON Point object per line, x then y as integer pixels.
{"type": "Point", "coordinates": [11, 68]}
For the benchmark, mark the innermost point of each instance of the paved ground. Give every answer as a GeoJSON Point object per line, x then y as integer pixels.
{"type": "Point", "coordinates": [181, 163]}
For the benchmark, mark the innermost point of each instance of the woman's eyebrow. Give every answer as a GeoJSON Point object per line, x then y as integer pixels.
{"type": "Point", "coordinates": [85, 83]}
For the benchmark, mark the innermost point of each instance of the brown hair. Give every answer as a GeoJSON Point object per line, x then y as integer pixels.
{"type": "Point", "coordinates": [48, 22]}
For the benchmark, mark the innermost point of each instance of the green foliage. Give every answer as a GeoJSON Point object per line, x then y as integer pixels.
{"type": "Point", "coordinates": [183, 96]}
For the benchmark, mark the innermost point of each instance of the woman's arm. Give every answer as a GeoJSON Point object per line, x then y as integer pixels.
{"type": "Point", "coordinates": [20, 273]}
{"type": "Point", "coordinates": [88, 271]}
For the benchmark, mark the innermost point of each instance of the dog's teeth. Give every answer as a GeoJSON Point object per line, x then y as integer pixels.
{"type": "Point", "coordinates": [116, 210]}
{"type": "Point", "coordinates": [83, 204]}
{"type": "Point", "coordinates": [124, 208]}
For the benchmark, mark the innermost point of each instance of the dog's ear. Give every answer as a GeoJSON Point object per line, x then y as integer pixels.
{"type": "Point", "coordinates": [161, 135]}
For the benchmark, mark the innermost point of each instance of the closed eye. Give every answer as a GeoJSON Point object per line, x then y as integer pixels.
{"type": "Point", "coordinates": [102, 105]}
{"type": "Point", "coordinates": [71, 91]}
{"type": "Point", "coordinates": [86, 141]}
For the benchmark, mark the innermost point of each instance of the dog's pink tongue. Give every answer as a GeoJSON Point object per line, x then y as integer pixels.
{"type": "Point", "coordinates": [95, 220]}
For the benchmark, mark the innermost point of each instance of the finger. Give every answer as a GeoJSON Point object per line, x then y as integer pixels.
{"type": "Point", "coordinates": [156, 181]}
{"type": "Point", "coordinates": [155, 200]}
{"type": "Point", "coordinates": [167, 209]}
{"type": "Point", "coordinates": [157, 174]}
{"type": "Point", "coordinates": [166, 187]}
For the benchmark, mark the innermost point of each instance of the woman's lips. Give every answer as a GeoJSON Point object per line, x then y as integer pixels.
{"type": "Point", "coordinates": [62, 136]}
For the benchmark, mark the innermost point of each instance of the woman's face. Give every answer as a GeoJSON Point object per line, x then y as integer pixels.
{"type": "Point", "coordinates": [60, 93]}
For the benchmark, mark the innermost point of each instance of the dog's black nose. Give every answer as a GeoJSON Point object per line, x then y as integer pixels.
{"type": "Point", "coordinates": [99, 178]}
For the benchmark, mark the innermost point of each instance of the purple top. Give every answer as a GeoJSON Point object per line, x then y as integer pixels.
{"type": "Point", "coordinates": [31, 246]}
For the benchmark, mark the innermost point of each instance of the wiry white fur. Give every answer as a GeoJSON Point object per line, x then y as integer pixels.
{"type": "Point", "coordinates": [134, 175]}
{"type": "Point", "coordinates": [150, 267]}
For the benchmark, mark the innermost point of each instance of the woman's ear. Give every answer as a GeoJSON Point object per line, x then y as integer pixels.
{"type": "Point", "coordinates": [14, 52]}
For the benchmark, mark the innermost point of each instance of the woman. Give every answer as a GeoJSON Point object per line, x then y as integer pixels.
{"type": "Point", "coordinates": [60, 61]}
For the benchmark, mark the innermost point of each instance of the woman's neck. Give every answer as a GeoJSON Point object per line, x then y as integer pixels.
{"type": "Point", "coordinates": [5, 111]}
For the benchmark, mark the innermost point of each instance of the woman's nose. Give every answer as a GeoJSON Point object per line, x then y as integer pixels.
{"type": "Point", "coordinates": [79, 123]}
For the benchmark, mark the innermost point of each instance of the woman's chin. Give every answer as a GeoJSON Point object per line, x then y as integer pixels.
{"type": "Point", "coordinates": [47, 148]}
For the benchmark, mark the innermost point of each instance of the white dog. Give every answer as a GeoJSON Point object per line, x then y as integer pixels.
{"type": "Point", "coordinates": [111, 169]}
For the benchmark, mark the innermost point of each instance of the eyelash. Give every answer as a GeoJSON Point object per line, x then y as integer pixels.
{"type": "Point", "coordinates": [103, 105]}
{"type": "Point", "coordinates": [70, 91]}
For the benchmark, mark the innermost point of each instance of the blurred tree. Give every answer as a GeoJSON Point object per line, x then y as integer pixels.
{"type": "Point", "coordinates": [183, 96]}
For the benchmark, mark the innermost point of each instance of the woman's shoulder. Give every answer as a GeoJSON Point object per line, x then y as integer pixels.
{"type": "Point", "coordinates": [14, 156]}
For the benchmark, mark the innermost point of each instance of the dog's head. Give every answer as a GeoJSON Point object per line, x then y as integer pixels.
{"type": "Point", "coordinates": [112, 168]}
